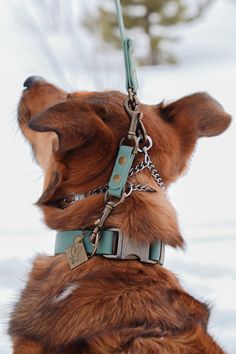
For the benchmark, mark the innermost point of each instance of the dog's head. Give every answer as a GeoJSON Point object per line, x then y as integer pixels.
{"type": "Point", "coordinates": [75, 139]}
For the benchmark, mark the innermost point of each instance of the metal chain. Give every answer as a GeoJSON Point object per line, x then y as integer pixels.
{"type": "Point", "coordinates": [156, 175]}
{"type": "Point", "coordinates": [147, 163]}
{"type": "Point", "coordinates": [141, 188]}
{"type": "Point", "coordinates": [99, 190]}
{"type": "Point", "coordinates": [151, 167]}
{"type": "Point", "coordinates": [74, 197]}
{"type": "Point", "coordinates": [134, 187]}
{"type": "Point", "coordinates": [138, 168]}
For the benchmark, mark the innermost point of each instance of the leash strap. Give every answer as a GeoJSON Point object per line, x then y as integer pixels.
{"type": "Point", "coordinates": [126, 154]}
{"type": "Point", "coordinates": [120, 171]}
{"type": "Point", "coordinates": [128, 46]}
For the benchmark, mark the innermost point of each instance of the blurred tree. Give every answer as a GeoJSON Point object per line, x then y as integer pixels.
{"type": "Point", "coordinates": [149, 18]}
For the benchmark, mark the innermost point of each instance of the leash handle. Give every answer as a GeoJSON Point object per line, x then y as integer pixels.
{"type": "Point", "coordinates": [128, 46]}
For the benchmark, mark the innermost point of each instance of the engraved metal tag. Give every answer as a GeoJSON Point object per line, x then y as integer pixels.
{"type": "Point", "coordinates": [76, 254]}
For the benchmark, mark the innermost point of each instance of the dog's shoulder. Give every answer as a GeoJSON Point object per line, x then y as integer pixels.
{"type": "Point", "coordinates": [29, 317]}
{"type": "Point", "coordinates": [57, 302]}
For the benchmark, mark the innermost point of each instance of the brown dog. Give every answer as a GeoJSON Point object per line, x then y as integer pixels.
{"type": "Point", "coordinates": [105, 305]}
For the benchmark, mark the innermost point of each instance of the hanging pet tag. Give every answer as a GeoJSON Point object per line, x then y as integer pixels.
{"type": "Point", "coordinates": [76, 254]}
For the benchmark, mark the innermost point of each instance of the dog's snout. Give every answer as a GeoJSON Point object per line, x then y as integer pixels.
{"type": "Point", "coordinates": [32, 80]}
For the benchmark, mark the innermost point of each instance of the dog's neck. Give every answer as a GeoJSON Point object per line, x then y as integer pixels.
{"type": "Point", "coordinates": [144, 217]}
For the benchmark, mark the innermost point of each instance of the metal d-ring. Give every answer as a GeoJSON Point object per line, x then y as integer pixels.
{"type": "Point", "coordinates": [146, 148]}
{"type": "Point", "coordinates": [114, 204]}
{"type": "Point", "coordinates": [130, 191]}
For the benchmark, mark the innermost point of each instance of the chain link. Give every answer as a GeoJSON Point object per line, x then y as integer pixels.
{"type": "Point", "coordinates": [141, 188]}
{"type": "Point", "coordinates": [99, 190]}
{"type": "Point", "coordinates": [156, 175]}
{"type": "Point", "coordinates": [147, 163]}
{"type": "Point", "coordinates": [134, 187]}
{"type": "Point", "coordinates": [138, 168]}
{"type": "Point", "coordinates": [151, 167]}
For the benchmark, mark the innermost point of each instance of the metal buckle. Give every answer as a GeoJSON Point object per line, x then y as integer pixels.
{"type": "Point", "coordinates": [125, 249]}
{"type": "Point", "coordinates": [132, 109]}
{"type": "Point", "coordinates": [162, 254]}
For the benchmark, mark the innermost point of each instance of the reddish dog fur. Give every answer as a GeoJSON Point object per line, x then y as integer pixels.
{"type": "Point", "coordinates": [115, 306]}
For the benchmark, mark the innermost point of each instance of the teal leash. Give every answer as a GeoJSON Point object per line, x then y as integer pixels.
{"type": "Point", "coordinates": [126, 153]}
{"type": "Point", "coordinates": [128, 46]}
{"type": "Point", "coordinates": [130, 144]}
{"type": "Point", "coordinates": [77, 244]}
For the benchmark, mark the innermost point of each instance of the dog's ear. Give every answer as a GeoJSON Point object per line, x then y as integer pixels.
{"type": "Point", "coordinates": [74, 124]}
{"type": "Point", "coordinates": [199, 113]}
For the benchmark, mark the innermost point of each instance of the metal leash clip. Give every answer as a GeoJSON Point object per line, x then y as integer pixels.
{"type": "Point", "coordinates": [99, 223]}
{"type": "Point", "coordinates": [136, 124]}
{"type": "Point", "coordinates": [96, 234]}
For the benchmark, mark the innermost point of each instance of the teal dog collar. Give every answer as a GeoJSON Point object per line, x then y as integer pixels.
{"type": "Point", "coordinates": [111, 245]}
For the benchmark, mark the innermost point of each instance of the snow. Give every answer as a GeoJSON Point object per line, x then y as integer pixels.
{"type": "Point", "coordinates": [204, 198]}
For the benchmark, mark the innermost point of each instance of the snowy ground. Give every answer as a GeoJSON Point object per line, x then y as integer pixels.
{"type": "Point", "coordinates": [204, 198]}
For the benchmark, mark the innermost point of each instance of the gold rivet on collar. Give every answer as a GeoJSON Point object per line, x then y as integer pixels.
{"type": "Point", "coordinates": [117, 178]}
{"type": "Point", "coordinates": [122, 160]}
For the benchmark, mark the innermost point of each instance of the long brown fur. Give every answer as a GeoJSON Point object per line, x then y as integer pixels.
{"type": "Point", "coordinates": [115, 306]}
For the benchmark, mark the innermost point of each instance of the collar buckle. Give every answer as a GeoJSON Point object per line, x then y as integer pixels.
{"type": "Point", "coordinates": [146, 253]}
